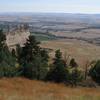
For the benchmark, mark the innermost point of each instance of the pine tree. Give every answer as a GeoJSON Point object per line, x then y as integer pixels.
{"type": "Point", "coordinates": [19, 54]}
{"type": "Point", "coordinates": [13, 53]}
{"type": "Point", "coordinates": [30, 49]}
{"type": "Point", "coordinates": [2, 40]}
{"type": "Point", "coordinates": [75, 76]}
{"type": "Point", "coordinates": [34, 59]}
{"type": "Point", "coordinates": [73, 63]}
{"type": "Point", "coordinates": [95, 72]}
{"type": "Point", "coordinates": [58, 73]}
{"type": "Point", "coordinates": [7, 61]}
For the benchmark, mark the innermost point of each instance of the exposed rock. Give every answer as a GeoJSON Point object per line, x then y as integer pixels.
{"type": "Point", "coordinates": [17, 36]}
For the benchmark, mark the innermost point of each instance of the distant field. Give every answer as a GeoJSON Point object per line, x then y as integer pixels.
{"type": "Point", "coordinates": [25, 89]}
{"type": "Point", "coordinates": [77, 33]}
{"type": "Point", "coordinates": [80, 50]}
{"type": "Point", "coordinates": [43, 37]}
{"type": "Point", "coordinates": [60, 25]}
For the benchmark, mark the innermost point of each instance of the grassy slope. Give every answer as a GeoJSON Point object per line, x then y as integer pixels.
{"type": "Point", "coordinates": [80, 50]}
{"type": "Point", "coordinates": [24, 89]}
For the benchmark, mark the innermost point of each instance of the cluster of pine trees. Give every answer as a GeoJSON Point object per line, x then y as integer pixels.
{"type": "Point", "coordinates": [32, 61]}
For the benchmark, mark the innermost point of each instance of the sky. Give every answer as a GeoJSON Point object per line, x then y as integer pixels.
{"type": "Point", "coordinates": [64, 6]}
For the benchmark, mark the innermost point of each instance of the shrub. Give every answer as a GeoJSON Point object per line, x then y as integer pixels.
{"type": "Point", "coordinates": [73, 63]}
{"type": "Point", "coordinates": [95, 72]}
{"type": "Point", "coordinates": [75, 76]}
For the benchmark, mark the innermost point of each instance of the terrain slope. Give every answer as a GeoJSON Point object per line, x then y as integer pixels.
{"type": "Point", "coordinates": [25, 89]}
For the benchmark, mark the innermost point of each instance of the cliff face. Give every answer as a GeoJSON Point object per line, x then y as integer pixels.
{"type": "Point", "coordinates": [17, 38]}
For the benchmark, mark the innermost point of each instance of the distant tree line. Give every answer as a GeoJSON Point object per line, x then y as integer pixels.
{"type": "Point", "coordinates": [32, 61]}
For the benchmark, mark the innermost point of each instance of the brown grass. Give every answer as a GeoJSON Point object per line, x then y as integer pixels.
{"type": "Point", "coordinates": [79, 50]}
{"type": "Point", "coordinates": [24, 89]}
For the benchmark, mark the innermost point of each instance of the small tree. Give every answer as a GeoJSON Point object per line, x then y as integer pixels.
{"type": "Point", "coordinates": [13, 53]}
{"type": "Point", "coordinates": [19, 54]}
{"type": "Point", "coordinates": [75, 76]}
{"type": "Point", "coordinates": [95, 72]}
{"type": "Point", "coordinates": [73, 63]}
{"type": "Point", "coordinates": [2, 40]}
{"type": "Point", "coordinates": [58, 73]}
{"type": "Point", "coordinates": [7, 61]}
{"type": "Point", "coordinates": [2, 44]}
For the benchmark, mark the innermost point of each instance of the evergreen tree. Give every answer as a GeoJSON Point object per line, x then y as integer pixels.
{"type": "Point", "coordinates": [58, 73]}
{"type": "Point", "coordinates": [30, 49]}
{"type": "Point", "coordinates": [13, 53]}
{"type": "Point", "coordinates": [41, 67]}
{"type": "Point", "coordinates": [2, 40]}
{"type": "Point", "coordinates": [7, 61]}
{"type": "Point", "coordinates": [75, 76]}
{"type": "Point", "coordinates": [95, 72]}
{"type": "Point", "coordinates": [34, 59]}
{"type": "Point", "coordinates": [2, 44]}
{"type": "Point", "coordinates": [19, 54]}
{"type": "Point", "coordinates": [44, 55]}
{"type": "Point", "coordinates": [73, 63]}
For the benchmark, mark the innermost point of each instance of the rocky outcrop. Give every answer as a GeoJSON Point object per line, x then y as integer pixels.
{"type": "Point", "coordinates": [17, 37]}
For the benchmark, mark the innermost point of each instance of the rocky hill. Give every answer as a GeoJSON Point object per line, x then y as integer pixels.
{"type": "Point", "coordinates": [17, 36]}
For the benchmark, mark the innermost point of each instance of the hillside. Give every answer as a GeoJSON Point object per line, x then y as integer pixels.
{"type": "Point", "coordinates": [80, 50]}
{"type": "Point", "coordinates": [17, 38]}
{"type": "Point", "coordinates": [24, 89]}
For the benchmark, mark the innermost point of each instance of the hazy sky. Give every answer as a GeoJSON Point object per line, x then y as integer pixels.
{"type": "Point", "coordinates": [66, 6]}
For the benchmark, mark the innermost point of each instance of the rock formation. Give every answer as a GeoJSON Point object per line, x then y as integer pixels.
{"type": "Point", "coordinates": [17, 35]}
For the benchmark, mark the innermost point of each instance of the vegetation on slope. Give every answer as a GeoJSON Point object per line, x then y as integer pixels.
{"type": "Point", "coordinates": [32, 61]}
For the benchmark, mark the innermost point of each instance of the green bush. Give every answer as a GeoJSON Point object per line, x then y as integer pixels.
{"type": "Point", "coordinates": [75, 76]}
{"type": "Point", "coordinates": [95, 72]}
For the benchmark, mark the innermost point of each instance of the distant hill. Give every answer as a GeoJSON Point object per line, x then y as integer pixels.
{"type": "Point", "coordinates": [69, 17]}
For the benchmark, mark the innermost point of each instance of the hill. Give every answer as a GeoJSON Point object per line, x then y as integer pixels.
{"type": "Point", "coordinates": [80, 50]}
{"type": "Point", "coordinates": [24, 89]}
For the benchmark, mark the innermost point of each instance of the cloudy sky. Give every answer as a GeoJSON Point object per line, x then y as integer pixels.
{"type": "Point", "coordinates": [66, 6]}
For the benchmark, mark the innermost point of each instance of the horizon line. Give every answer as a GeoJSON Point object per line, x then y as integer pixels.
{"type": "Point", "coordinates": [52, 12]}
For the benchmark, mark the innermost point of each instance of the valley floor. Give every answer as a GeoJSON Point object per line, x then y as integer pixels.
{"type": "Point", "coordinates": [25, 89]}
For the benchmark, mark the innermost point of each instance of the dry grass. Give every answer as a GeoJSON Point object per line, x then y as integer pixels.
{"type": "Point", "coordinates": [80, 50]}
{"type": "Point", "coordinates": [24, 89]}
{"type": "Point", "coordinates": [85, 33]}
